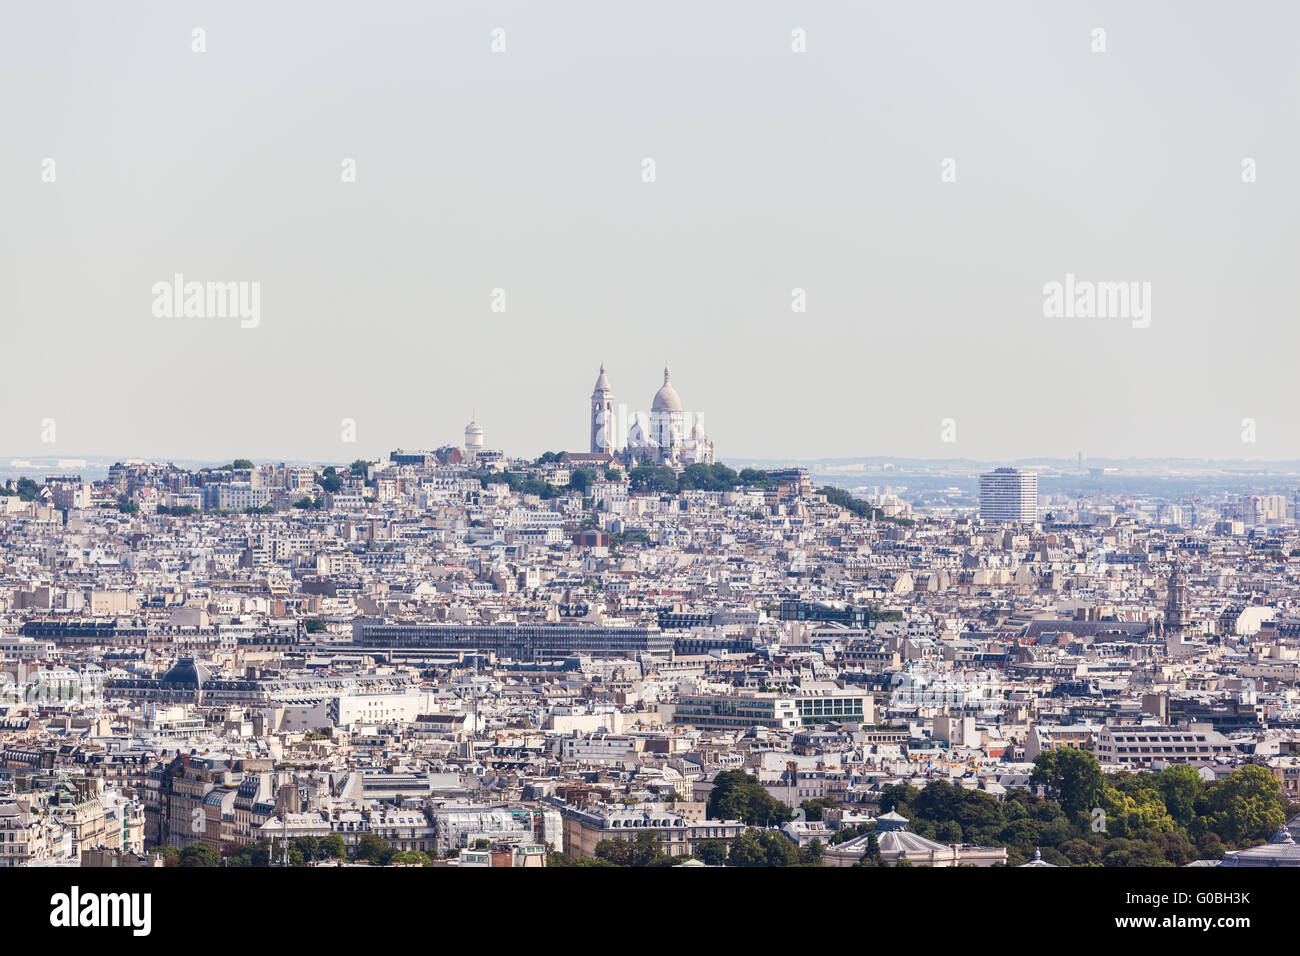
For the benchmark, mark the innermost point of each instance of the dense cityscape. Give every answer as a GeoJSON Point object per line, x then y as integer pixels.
{"type": "Point", "coordinates": [635, 655]}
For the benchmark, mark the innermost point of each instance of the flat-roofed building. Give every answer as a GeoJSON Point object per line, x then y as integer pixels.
{"type": "Point", "coordinates": [1008, 494]}
{"type": "Point", "coordinates": [737, 711]}
{"type": "Point", "coordinates": [1139, 745]}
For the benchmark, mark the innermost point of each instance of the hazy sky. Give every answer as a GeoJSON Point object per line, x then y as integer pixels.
{"type": "Point", "coordinates": [775, 170]}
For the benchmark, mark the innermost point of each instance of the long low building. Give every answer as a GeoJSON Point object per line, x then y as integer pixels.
{"type": "Point", "coordinates": [735, 711]}
{"type": "Point", "coordinates": [677, 835]}
{"type": "Point", "coordinates": [1142, 745]}
{"type": "Point", "coordinates": [520, 641]}
{"type": "Point", "coordinates": [896, 843]}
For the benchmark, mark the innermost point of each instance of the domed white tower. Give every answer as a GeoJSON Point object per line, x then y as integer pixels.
{"type": "Point", "coordinates": [473, 440]}
{"type": "Point", "coordinates": [666, 399]}
{"type": "Point", "coordinates": [603, 439]}
{"type": "Point", "coordinates": [667, 420]}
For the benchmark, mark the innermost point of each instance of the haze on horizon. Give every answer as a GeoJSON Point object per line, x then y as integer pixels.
{"type": "Point", "coordinates": [522, 171]}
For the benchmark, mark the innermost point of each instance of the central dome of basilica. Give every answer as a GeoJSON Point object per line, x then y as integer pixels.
{"type": "Point", "coordinates": [666, 399]}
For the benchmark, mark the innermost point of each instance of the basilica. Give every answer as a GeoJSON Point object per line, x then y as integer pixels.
{"type": "Point", "coordinates": [661, 438]}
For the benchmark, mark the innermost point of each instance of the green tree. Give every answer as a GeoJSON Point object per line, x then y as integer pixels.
{"type": "Point", "coordinates": [580, 479]}
{"type": "Point", "coordinates": [1072, 777]}
{"type": "Point", "coordinates": [329, 480]}
{"type": "Point", "coordinates": [563, 859]}
{"type": "Point", "coordinates": [812, 854]}
{"type": "Point", "coordinates": [373, 849]}
{"type": "Point", "coordinates": [898, 798]}
{"type": "Point", "coordinates": [1246, 807]}
{"type": "Point", "coordinates": [26, 489]}
{"type": "Point", "coordinates": [199, 854]}
{"type": "Point", "coordinates": [307, 846]}
{"type": "Point", "coordinates": [1134, 806]}
{"type": "Point", "coordinates": [813, 809]}
{"type": "Point", "coordinates": [872, 855]}
{"type": "Point", "coordinates": [411, 856]}
{"type": "Point", "coordinates": [247, 855]}
{"type": "Point", "coordinates": [716, 477]}
{"type": "Point", "coordinates": [641, 850]}
{"type": "Point", "coordinates": [171, 855]}
{"type": "Point", "coordinates": [736, 795]}
{"type": "Point", "coordinates": [1082, 853]}
{"type": "Point", "coordinates": [712, 852]}
{"type": "Point", "coordinates": [1181, 788]}
{"type": "Point", "coordinates": [655, 479]}
{"type": "Point", "coordinates": [855, 506]}
{"type": "Point", "coordinates": [845, 834]}
{"type": "Point", "coordinates": [949, 832]}
{"type": "Point", "coordinates": [763, 848]}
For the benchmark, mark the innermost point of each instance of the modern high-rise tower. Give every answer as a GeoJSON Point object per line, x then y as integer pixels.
{"type": "Point", "coordinates": [1007, 494]}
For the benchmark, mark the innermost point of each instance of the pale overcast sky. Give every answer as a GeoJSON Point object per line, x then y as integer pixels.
{"type": "Point", "coordinates": [775, 170]}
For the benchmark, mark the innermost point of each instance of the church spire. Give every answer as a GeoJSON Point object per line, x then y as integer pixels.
{"type": "Point", "coordinates": [602, 415]}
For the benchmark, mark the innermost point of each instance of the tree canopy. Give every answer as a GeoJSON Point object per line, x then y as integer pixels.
{"type": "Point", "coordinates": [737, 795]}
{"type": "Point", "coordinates": [1168, 817]}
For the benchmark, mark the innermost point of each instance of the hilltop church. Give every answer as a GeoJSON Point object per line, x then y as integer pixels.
{"type": "Point", "coordinates": [660, 439]}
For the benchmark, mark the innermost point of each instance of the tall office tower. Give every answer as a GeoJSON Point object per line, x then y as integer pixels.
{"type": "Point", "coordinates": [1007, 494]}
{"type": "Point", "coordinates": [602, 416]}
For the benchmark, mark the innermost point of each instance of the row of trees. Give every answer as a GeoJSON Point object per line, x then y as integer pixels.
{"type": "Point", "coordinates": [751, 848]}
{"type": "Point", "coordinates": [518, 484]}
{"type": "Point", "coordinates": [1242, 809]}
{"type": "Point", "coordinates": [644, 478]}
{"type": "Point", "coordinates": [857, 507]}
{"type": "Point", "coordinates": [198, 854]}
{"type": "Point", "coordinates": [660, 479]}
{"type": "Point", "coordinates": [1089, 818]}
{"type": "Point", "coordinates": [302, 851]}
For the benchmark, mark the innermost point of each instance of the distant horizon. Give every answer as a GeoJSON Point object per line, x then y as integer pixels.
{"type": "Point", "coordinates": [47, 463]}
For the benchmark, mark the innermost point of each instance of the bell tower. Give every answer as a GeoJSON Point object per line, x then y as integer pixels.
{"type": "Point", "coordinates": [602, 415]}
{"type": "Point", "coordinates": [1177, 619]}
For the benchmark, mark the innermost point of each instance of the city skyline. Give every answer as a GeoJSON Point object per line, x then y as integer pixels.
{"type": "Point", "coordinates": [743, 435]}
